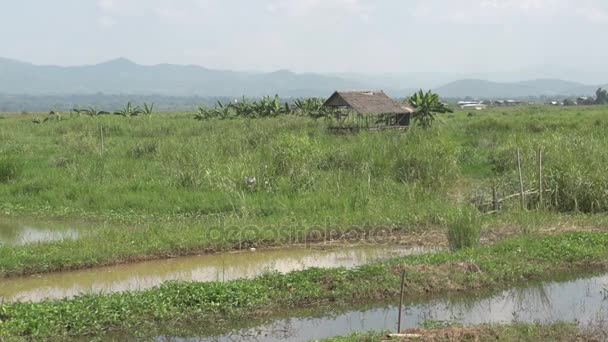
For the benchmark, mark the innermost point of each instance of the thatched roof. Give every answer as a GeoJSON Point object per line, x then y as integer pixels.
{"type": "Point", "coordinates": [367, 102]}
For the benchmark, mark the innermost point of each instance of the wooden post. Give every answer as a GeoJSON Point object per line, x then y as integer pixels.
{"type": "Point", "coordinates": [521, 181]}
{"type": "Point", "coordinates": [101, 145]}
{"type": "Point", "coordinates": [494, 198]}
{"type": "Point", "coordinates": [540, 178]}
{"type": "Point", "coordinates": [556, 195]}
{"type": "Point", "coordinates": [401, 302]}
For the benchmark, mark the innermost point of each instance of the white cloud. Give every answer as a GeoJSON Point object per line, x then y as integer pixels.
{"type": "Point", "coordinates": [467, 11]}
{"type": "Point", "coordinates": [106, 21]}
{"type": "Point", "coordinates": [170, 12]}
{"type": "Point", "coordinates": [525, 6]}
{"type": "Point", "coordinates": [595, 15]}
{"type": "Point", "coordinates": [107, 5]}
{"type": "Point", "coordinates": [308, 7]}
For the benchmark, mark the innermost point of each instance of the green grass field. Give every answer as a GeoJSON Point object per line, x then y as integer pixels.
{"type": "Point", "coordinates": [165, 182]}
{"type": "Point", "coordinates": [167, 185]}
{"type": "Point", "coordinates": [169, 165]}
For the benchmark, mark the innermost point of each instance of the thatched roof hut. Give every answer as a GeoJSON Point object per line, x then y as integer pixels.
{"type": "Point", "coordinates": [372, 103]}
{"type": "Point", "coordinates": [367, 103]}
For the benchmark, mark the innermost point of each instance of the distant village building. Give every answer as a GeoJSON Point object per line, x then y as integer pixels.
{"type": "Point", "coordinates": [477, 105]}
{"type": "Point", "coordinates": [374, 105]}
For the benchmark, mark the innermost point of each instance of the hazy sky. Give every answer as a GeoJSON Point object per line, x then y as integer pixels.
{"type": "Point", "coordinates": [310, 35]}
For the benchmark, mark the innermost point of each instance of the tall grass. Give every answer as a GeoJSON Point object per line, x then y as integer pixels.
{"type": "Point", "coordinates": [10, 169]}
{"type": "Point", "coordinates": [464, 229]}
{"type": "Point", "coordinates": [171, 165]}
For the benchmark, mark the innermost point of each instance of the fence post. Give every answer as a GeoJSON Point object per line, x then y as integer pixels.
{"type": "Point", "coordinates": [494, 198]}
{"type": "Point", "coordinates": [521, 181]}
{"type": "Point", "coordinates": [401, 302]}
{"type": "Point", "coordinates": [540, 178]}
{"type": "Point", "coordinates": [101, 135]}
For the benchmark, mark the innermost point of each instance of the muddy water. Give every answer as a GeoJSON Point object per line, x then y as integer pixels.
{"type": "Point", "coordinates": [218, 267]}
{"type": "Point", "coordinates": [18, 232]}
{"type": "Point", "coordinates": [583, 301]}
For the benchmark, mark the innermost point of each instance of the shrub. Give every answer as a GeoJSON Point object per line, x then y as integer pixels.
{"type": "Point", "coordinates": [464, 229]}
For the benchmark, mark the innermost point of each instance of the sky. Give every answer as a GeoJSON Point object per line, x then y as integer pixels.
{"type": "Point", "coordinates": [365, 36]}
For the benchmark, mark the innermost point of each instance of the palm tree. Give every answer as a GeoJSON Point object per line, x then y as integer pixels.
{"type": "Point", "coordinates": [427, 106]}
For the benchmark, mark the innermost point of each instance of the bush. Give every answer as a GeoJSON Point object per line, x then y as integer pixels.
{"type": "Point", "coordinates": [464, 229]}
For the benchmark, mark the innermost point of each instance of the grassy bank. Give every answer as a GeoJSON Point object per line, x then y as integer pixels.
{"type": "Point", "coordinates": [175, 304]}
{"type": "Point", "coordinates": [486, 333]}
{"type": "Point", "coordinates": [103, 245]}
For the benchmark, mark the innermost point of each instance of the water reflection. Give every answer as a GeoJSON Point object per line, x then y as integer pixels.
{"type": "Point", "coordinates": [218, 267]}
{"type": "Point", "coordinates": [581, 301]}
{"type": "Point", "coordinates": [17, 232]}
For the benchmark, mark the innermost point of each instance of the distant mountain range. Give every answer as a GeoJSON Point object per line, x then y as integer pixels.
{"type": "Point", "coordinates": [122, 76]}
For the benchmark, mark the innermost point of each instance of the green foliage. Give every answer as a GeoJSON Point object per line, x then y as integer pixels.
{"type": "Point", "coordinates": [464, 228]}
{"type": "Point", "coordinates": [296, 158]}
{"type": "Point", "coordinates": [148, 109]}
{"type": "Point", "coordinates": [312, 107]}
{"type": "Point", "coordinates": [267, 107]}
{"type": "Point", "coordinates": [427, 106]}
{"type": "Point", "coordinates": [10, 169]}
{"type": "Point", "coordinates": [433, 164]}
{"type": "Point", "coordinates": [129, 110]}
{"type": "Point", "coordinates": [91, 111]}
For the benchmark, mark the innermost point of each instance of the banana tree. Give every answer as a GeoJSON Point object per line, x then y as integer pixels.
{"type": "Point", "coordinates": [129, 110]}
{"type": "Point", "coordinates": [203, 113]}
{"type": "Point", "coordinates": [243, 108]}
{"type": "Point", "coordinates": [91, 111]}
{"type": "Point", "coordinates": [427, 106]}
{"type": "Point", "coordinates": [148, 109]}
{"type": "Point", "coordinates": [312, 107]}
{"type": "Point", "coordinates": [270, 107]}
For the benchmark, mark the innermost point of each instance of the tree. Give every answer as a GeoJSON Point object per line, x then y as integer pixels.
{"type": "Point", "coordinates": [427, 106]}
{"type": "Point", "coordinates": [601, 96]}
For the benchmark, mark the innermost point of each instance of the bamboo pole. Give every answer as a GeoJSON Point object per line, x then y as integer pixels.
{"type": "Point", "coordinates": [101, 145]}
{"type": "Point", "coordinates": [521, 181]}
{"type": "Point", "coordinates": [401, 302]}
{"type": "Point", "coordinates": [540, 178]}
{"type": "Point", "coordinates": [494, 199]}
